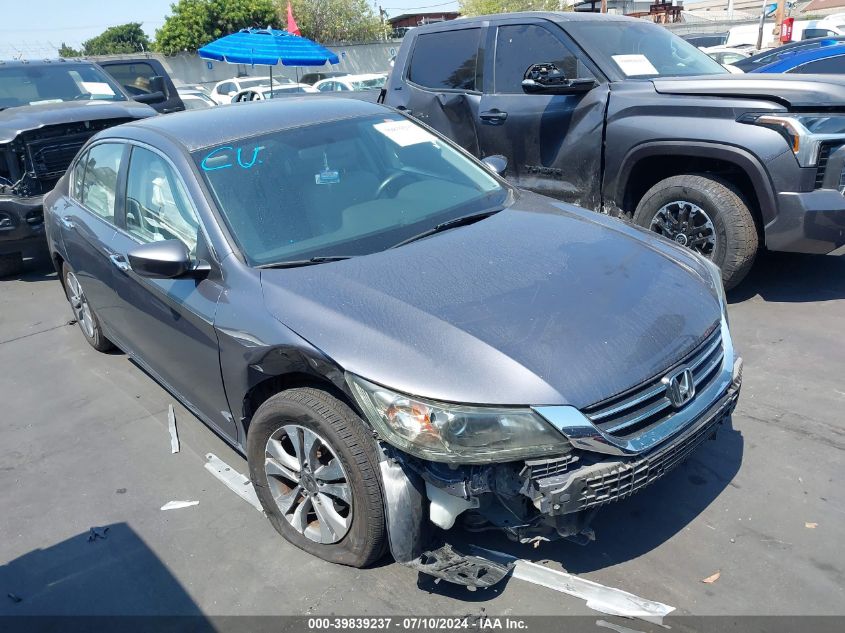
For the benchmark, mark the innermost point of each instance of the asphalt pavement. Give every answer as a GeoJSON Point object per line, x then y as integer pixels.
{"type": "Point", "coordinates": [759, 511]}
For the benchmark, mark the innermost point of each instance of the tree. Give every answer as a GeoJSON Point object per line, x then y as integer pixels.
{"type": "Point", "coordinates": [332, 21]}
{"type": "Point", "coordinates": [67, 51]}
{"type": "Point", "coordinates": [194, 23]}
{"type": "Point", "coordinates": [485, 7]}
{"type": "Point", "coordinates": [126, 38]}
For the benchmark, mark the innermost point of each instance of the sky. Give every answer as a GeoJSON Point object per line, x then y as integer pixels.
{"type": "Point", "coordinates": [36, 28]}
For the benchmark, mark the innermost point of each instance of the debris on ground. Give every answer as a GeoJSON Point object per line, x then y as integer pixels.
{"type": "Point", "coordinates": [171, 425]}
{"type": "Point", "coordinates": [97, 532]}
{"type": "Point", "coordinates": [713, 578]}
{"type": "Point", "coordinates": [14, 598]}
{"type": "Point", "coordinates": [176, 505]}
{"type": "Point", "coordinates": [811, 526]}
{"type": "Point", "coordinates": [121, 491]}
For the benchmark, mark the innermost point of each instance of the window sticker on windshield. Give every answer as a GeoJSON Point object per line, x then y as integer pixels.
{"type": "Point", "coordinates": [43, 101]}
{"type": "Point", "coordinates": [635, 65]}
{"type": "Point", "coordinates": [404, 133]}
{"type": "Point", "coordinates": [327, 176]}
{"type": "Point", "coordinates": [97, 88]}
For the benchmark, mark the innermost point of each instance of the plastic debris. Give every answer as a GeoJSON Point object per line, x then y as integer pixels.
{"type": "Point", "coordinates": [176, 505]}
{"type": "Point", "coordinates": [712, 578]}
{"type": "Point", "coordinates": [811, 526]}
{"type": "Point", "coordinates": [96, 532]}
{"type": "Point", "coordinates": [171, 425]}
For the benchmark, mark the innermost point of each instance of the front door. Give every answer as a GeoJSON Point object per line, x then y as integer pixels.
{"type": "Point", "coordinates": [168, 324]}
{"type": "Point", "coordinates": [553, 143]}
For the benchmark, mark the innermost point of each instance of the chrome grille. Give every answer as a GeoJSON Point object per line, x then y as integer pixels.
{"type": "Point", "coordinates": [647, 405]}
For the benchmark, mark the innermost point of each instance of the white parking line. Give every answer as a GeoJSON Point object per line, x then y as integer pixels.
{"type": "Point", "coordinates": [233, 480]}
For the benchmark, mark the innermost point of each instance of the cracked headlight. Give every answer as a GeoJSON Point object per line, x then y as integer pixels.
{"type": "Point", "coordinates": [453, 433]}
{"type": "Point", "coordinates": [803, 132]}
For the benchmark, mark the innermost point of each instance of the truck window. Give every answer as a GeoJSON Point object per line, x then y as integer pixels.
{"type": "Point", "coordinates": [518, 46]}
{"type": "Point", "coordinates": [135, 77]}
{"type": "Point", "coordinates": [446, 60]}
{"type": "Point", "coordinates": [826, 66]}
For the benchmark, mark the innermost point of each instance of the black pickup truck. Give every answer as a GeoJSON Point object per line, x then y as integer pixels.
{"type": "Point", "coordinates": [621, 116]}
{"type": "Point", "coordinates": [48, 109]}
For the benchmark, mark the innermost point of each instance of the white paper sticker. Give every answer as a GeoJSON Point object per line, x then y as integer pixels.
{"type": "Point", "coordinates": [97, 88]}
{"type": "Point", "coordinates": [404, 133]}
{"type": "Point", "coordinates": [635, 65]}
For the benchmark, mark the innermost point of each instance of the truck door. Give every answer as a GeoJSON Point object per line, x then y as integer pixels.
{"type": "Point", "coordinates": [442, 84]}
{"type": "Point", "coordinates": [553, 143]}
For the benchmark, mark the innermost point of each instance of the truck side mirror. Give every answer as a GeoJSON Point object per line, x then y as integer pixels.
{"type": "Point", "coordinates": [157, 84]}
{"type": "Point", "coordinates": [546, 78]}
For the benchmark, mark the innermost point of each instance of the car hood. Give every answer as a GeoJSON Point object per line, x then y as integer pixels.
{"type": "Point", "coordinates": [793, 91]}
{"type": "Point", "coordinates": [542, 303]}
{"type": "Point", "coordinates": [14, 121]}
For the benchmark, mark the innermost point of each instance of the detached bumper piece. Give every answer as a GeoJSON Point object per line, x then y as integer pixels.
{"type": "Point", "coordinates": [591, 486]}
{"type": "Point", "coordinates": [471, 571]}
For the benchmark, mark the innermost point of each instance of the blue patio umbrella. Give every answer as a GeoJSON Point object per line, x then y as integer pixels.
{"type": "Point", "coordinates": [267, 47]}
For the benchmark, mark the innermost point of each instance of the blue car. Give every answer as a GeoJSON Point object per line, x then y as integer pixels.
{"type": "Point", "coordinates": [826, 60]}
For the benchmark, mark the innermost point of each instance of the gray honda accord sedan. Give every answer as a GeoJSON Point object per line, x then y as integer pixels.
{"type": "Point", "coordinates": [394, 336]}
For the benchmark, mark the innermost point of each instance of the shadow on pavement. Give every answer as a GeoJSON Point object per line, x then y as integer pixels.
{"type": "Point", "coordinates": [793, 278]}
{"type": "Point", "coordinates": [36, 267]}
{"type": "Point", "coordinates": [115, 575]}
{"type": "Point", "coordinates": [632, 527]}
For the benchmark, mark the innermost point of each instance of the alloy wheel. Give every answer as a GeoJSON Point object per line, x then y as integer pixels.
{"type": "Point", "coordinates": [687, 224]}
{"type": "Point", "coordinates": [79, 304]}
{"type": "Point", "coordinates": [309, 484]}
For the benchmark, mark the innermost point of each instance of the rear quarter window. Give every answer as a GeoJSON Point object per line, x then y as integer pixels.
{"type": "Point", "coordinates": [446, 61]}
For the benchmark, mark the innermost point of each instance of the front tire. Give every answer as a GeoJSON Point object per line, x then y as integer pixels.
{"type": "Point", "coordinates": [707, 215]}
{"type": "Point", "coordinates": [315, 471]}
{"type": "Point", "coordinates": [85, 316]}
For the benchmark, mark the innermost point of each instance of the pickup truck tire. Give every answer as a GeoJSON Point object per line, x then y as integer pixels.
{"type": "Point", "coordinates": [325, 499]}
{"type": "Point", "coordinates": [85, 316]}
{"type": "Point", "coordinates": [734, 229]}
{"type": "Point", "coordinates": [10, 264]}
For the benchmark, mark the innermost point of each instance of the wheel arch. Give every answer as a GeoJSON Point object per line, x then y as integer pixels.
{"type": "Point", "coordinates": [649, 163]}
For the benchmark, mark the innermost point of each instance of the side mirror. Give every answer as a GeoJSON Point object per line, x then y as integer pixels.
{"type": "Point", "coordinates": [548, 79]}
{"type": "Point", "coordinates": [157, 84]}
{"type": "Point", "coordinates": [160, 260]}
{"type": "Point", "coordinates": [496, 163]}
{"type": "Point", "coordinates": [152, 97]}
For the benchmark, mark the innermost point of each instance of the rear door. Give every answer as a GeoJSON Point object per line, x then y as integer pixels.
{"type": "Point", "coordinates": [553, 143]}
{"type": "Point", "coordinates": [168, 324]}
{"type": "Point", "coordinates": [442, 86]}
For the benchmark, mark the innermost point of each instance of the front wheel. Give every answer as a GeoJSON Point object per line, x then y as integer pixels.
{"type": "Point", "coordinates": [86, 318]}
{"type": "Point", "coordinates": [706, 215]}
{"type": "Point", "coordinates": [315, 471]}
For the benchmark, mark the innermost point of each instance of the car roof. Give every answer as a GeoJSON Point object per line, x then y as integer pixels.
{"type": "Point", "coordinates": [797, 58]}
{"type": "Point", "coordinates": [71, 61]}
{"type": "Point", "coordinates": [202, 128]}
{"type": "Point", "coordinates": [556, 16]}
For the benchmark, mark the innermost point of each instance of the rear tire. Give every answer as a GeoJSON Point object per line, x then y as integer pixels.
{"type": "Point", "coordinates": [11, 264]}
{"type": "Point", "coordinates": [85, 316]}
{"type": "Point", "coordinates": [721, 213]}
{"type": "Point", "coordinates": [337, 515]}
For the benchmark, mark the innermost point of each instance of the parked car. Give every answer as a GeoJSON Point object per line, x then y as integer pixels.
{"type": "Point", "coordinates": [145, 77]}
{"type": "Point", "coordinates": [631, 120]}
{"type": "Point", "coordinates": [372, 81]}
{"type": "Point", "coordinates": [224, 90]}
{"type": "Point", "coordinates": [822, 60]}
{"type": "Point", "coordinates": [48, 109]}
{"type": "Point", "coordinates": [706, 39]}
{"type": "Point", "coordinates": [764, 58]}
{"type": "Point", "coordinates": [726, 55]}
{"type": "Point", "coordinates": [196, 99]}
{"type": "Point", "coordinates": [312, 78]}
{"type": "Point", "coordinates": [263, 93]}
{"type": "Point", "coordinates": [394, 336]}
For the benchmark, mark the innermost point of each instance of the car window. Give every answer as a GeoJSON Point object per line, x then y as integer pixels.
{"type": "Point", "coordinates": [225, 88]}
{"type": "Point", "coordinates": [814, 33]}
{"type": "Point", "coordinates": [446, 60]}
{"type": "Point", "coordinates": [78, 175]}
{"type": "Point", "coordinates": [157, 207]}
{"type": "Point", "coordinates": [135, 77]}
{"type": "Point", "coordinates": [326, 87]}
{"type": "Point", "coordinates": [99, 181]}
{"type": "Point", "coordinates": [826, 66]}
{"type": "Point", "coordinates": [518, 46]}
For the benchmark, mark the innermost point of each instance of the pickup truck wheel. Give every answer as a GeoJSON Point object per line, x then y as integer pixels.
{"type": "Point", "coordinates": [707, 215]}
{"type": "Point", "coordinates": [86, 319]}
{"type": "Point", "coordinates": [315, 471]}
{"type": "Point", "coordinates": [10, 264]}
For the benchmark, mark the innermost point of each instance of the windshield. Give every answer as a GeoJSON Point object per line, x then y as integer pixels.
{"type": "Point", "coordinates": [34, 85]}
{"type": "Point", "coordinates": [643, 49]}
{"type": "Point", "coordinates": [343, 188]}
{"type": "Point", "coordinates": [369, 84]}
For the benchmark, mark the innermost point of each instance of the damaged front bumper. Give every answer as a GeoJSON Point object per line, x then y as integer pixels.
{"type": "Point", "coordinates": [531, 500]}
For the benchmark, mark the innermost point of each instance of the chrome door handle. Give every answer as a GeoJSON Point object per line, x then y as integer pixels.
{"type": "Point", "coordinates": [119, 262]}
{"type": "Point", "coordinates": [67, 222]}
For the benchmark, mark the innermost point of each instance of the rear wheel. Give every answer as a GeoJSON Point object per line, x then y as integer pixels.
{"type": "Point", "coordinates": [706, 215]}
{"type": "Point", "coordinates": [315, 470]}
{"type": "Point", "coordinates": [11, 264]}
{"type": "Point", "coordinates": [86, 318]}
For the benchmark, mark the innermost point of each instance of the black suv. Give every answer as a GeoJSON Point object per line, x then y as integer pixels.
{"type": "Point", "coordinates": [621, 116]}
{"type": "Point", "coordinates": [48, 109]}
